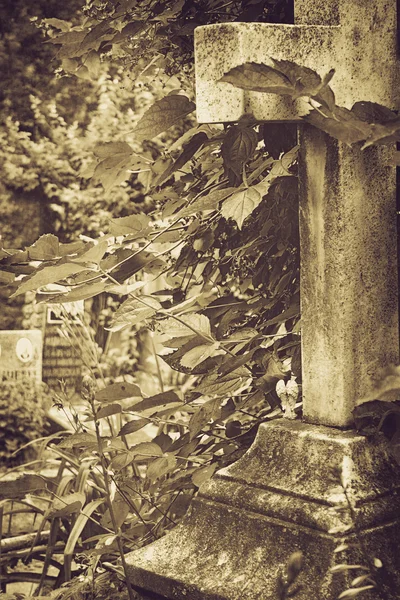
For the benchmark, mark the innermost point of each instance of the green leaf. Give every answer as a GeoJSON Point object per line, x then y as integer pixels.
{"type": "Point", "coordinates": [133, 426]}
{"type": "Point", "coordinates": [342, 125]}
{"type": "Point", "coordinates": [107, 411]}
{"type": "Point", "coordinates": [118, 391]}
{"type": "Point", "coordinates": [80, 292]}
{"type": "Point", "coordinates": [159, 401]}
{"type": "Point", "coordinates": [67, 505]}
{"type": "Point", "coordinates": [258, 78]}
{"type": "Point", "coordinates": [177, 329]}
{"type": "Point", "coordinates": [115, 160]}
{"type": "Point", "coordinates": [200, 353]}
{"type": "Point", "coordinates": [93, 254]}
{"type": "Point", "coordinates": [203, 474]}
{"type": "Point", "coordinates": [209, 202]}
{"type": "Point", "coordinates": [134, 225]}
{"type": "Point", "coordinates": [204, 414]}
{"type": "Point", "coordinates": [133, 311]}
{"type": "Point", "coordinates": [216, 385]}
{"type": "Point", "coordinates": [121, 461]}
{"type": "Point", "coordinates": [46, 248]}
{"type": "Point", "coordinates": [48, 275]}
{"type": "Point", "coordinates": [79, 440]}
{"type": "Point", "coordinates": [187, 153]}
{"type": "Point", "coordinates": [121, 510]}
{"type": "Point", "coordinates": [18, 487]}
{"type": "Point", "coordinates": [162, 115]}
{"type": "Point", "coordinates": [161, 466]}
{"type": "Point", "coordinates": [146, 449]}
{"type": "Point", "coordinates": [240, 205]}
{"type": "Point", "coordinates": [238, 147]}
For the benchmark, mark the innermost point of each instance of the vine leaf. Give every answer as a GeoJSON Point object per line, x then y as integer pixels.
{"type": "Point", "coordinates": [47, 275]}
{"type": "Point", "coordinates": [134, 226]}
{"type": "Point", "coordinates": [162, 115]}
{"type": "Point", "coordinates": [118, 391]}
{"type": "Point", "coordinates": [343, 125]}
{"type": "Point", "coordinates": [197, 355]}
{"type": "Point", "coordinates": [161, 466]}
{"type": "Point", "coordinates": [238, 147]}
{"type": "Point", "coordinates": [258, 77]}
{"type": "Point", "coordinates": [159, 401]}
{"type": "Point", "coordinates": [47, 247]}
{"type": "Point", "coordinates": [115, 158]}
{"type": "Point", "coordinates": [203, 474]}
{"type": "Point", "coordinates": [205, 413]}
{"type": "Point", "coordinates": [187, 153]}
{"type": "Point", "coordinates": [133, 311]}
{"type": "Point", "coordinates": [240, 205]}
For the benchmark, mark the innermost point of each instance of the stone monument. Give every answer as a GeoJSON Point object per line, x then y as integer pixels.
{"type": "Point", "coordinates": [21, 354]}
{"type": "Point", "coordinates": [281, 496]}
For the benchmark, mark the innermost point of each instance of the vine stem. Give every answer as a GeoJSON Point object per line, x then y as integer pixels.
{"type": "Point", "coordinates": [165, 313]}
{"type": "Point", "coordinates": [117, 529]}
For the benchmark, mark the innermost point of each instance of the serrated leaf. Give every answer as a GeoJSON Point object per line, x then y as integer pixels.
{"type": "Point", "coordinates": [209, 202]}
{"type": "Point", "coordinates": [81, 292]}
{"type": "Point", "coordinates": [178, 329]}
{"type": "Point", "coordinates": [146, 449]}
{"type": "Point", "coordinates": [66, 505]}
{"type": "Point", "coordinates": [133, 426]}
{"type": "Point", "coordinates": [93, 254]}
{"type": "Point", "coordinates": [120, 509]}
{"type": "Point", "coordinates": [187, 153]}
{"type": "Point", "coordinates": [159, 401]}
{"type": "Point", "coordinates": [200, 353]}
{"type": "Point", "coordinates": [203, 474]}
{"type": "Point", "coordinates": [133, 311]}
{"type": "Point", "coordinates": [47, 275]}
{"type": "Point", "coordinates": [258, 77]}
{"type": "Point", "coordinates": [238, 147]}
{"type": "Point", "coordinates": [162, 115]}
{"type": "Point", "coordinates": [217, 385]}
{"type": "Point", "coordinates": [45, 248]}
{"type": "Point", "coordinates": [134, 225]}
{"type": "Point", "coordinates": [342, 125]}
{"type": "Point", "coordinates": [79, 440]}
{"type": "Point", "coordinates": [204, 414]}
{"type": "Point", "coordinates": [107, 411]}
{"type": "Point", "coordinates": [121, 461]}
{"type": "Point", "coordinates": [110, 149]}
{"type": "Point", "coordinates": [240, 205]}
{"type": "Point", "coordinates": [118, 391]}
{"type": "Point", "coordinates": [161, 466]}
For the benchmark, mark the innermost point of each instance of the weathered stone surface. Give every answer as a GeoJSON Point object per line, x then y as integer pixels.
{"type": "Point", "coordinates": [282, 496]}
{"type": "Point", "coordinates": [349, 298]}
{"type": "Point", "coordinates": [362, 50]}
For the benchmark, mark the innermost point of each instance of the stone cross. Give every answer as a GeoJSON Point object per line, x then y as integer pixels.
{"type": "Point", "coordinates": [280, 497]}
{"type": "Point", "coordinates": [349, 304]}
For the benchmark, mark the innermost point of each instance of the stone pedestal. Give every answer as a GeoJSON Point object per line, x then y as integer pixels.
{"type": "Point", "coordinates": [284, 495]}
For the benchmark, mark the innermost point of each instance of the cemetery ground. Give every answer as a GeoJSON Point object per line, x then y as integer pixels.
{"type": "Point", "coordinates": [199, 362]}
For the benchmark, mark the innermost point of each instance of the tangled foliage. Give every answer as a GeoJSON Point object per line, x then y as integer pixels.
{"type": "Point", "coordinates": [23, 415]}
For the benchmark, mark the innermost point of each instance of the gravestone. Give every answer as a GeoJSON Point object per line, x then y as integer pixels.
{"type": "Point", "coordinates": [62, 361]}
{"type": "Point", "coordinates": [21, 354]}
{"type": "Point", "coordinates": [281, 496]}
